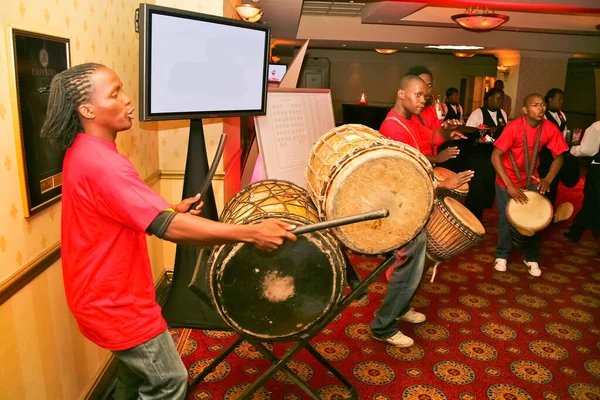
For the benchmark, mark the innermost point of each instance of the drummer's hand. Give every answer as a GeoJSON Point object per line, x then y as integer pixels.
{"type": "Point", "coordinates": [185, 205]}
{"type": "Point", "coordinates": [516, 193]}
{"type": "Point", "coordinates": [457, 180]}
{"type": "Point", "coordinates": [544, 185]}
{"type": "Point", "coordinates": [270, 234]}
{"type": "Point", "coordinates": [446, 154]}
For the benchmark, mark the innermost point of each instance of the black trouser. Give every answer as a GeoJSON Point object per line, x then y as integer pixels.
{"type": "Point", "coordinates": [481, 187]}
{"type": "Point", "coordinates": [546, 160]}
{"type": "Point", "coordinates": [589, 215]}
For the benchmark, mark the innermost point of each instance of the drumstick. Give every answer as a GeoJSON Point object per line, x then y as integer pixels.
{"type": "Point", "coordinates": [535, 178]}
{"type": "Point", "coordinates": [334, 223]}
{"type": "Point", "coordinates": [211, 171]}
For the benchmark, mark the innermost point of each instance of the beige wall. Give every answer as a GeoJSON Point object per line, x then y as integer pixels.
{"type": "Point", "coordinates": [378, 75]}
{"type": "Point", "coordinates": [42, 353]}
{"type": "Point", "coordinates": [539, 72]}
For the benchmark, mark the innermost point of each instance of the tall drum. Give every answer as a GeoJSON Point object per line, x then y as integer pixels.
{"type": "Point", "coordinates": [353, 169]}
{"type": "Point", "coordinates": [460, 193]}
{"type": "Point", "coordinates": [278, 295]}
{"type": "Point", "coordinates": [451, 230]}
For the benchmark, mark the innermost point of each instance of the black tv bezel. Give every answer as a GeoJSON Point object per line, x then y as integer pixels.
{"type": "Point", "coordinates": [145, 14]}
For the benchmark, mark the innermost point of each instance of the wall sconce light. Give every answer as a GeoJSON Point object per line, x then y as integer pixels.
{"type": "Point", "coordinates": [249, 12]}
{"type": "Point", "coordinates": [386, 51]}
{"type": "Point", "coordinates": [504, 70]}
{"type": "Point", "coordinates": [275, 59]}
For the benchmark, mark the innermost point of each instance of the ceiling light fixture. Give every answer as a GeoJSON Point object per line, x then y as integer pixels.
{"type": "Point", "coordinates": [480, 19]}
{"type": "Point", "coordinates": [249, 12]}
{"type": "Point", "coordinates": [463, 54]}
{"type": "Point", "coordinates": [386, 51]}
{"type": "Point", "coordinates": [452, 47]}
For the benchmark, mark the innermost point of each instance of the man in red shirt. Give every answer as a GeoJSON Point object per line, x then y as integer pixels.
{"type": "Point", "coordinates": [107, 210]}
{"type": "Point", "coordinates": [430, 120]}
{"type": "Point", "coordinates": [532, 131]}
{"type": "Point", "coordinates": [408, 272]}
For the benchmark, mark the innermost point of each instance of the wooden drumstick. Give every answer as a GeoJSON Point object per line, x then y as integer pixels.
{"type": "Point", "coordinates": [334, 223]}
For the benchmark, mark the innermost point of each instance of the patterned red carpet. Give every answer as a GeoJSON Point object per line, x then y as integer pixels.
{"type": "Point", "coordinates": [488, 335]}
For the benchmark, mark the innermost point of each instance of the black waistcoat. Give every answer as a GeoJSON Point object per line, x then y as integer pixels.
{"type": "Point", "coordinates": [451, 114]}
{"type": "Point", "coordinates": [489, 121]}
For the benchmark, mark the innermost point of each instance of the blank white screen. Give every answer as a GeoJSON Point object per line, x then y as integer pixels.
{"type": "Point", "coordinates": [199, 66]}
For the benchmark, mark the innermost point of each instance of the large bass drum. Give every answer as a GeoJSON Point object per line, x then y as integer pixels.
{"type": "Point", "coordinates": [278, 295]}
{"type": "Point", "coordinates": [353, 169]}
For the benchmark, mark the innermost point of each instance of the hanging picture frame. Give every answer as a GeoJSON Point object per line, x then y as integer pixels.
{"type": "Point", "coordinates": [37, 58]}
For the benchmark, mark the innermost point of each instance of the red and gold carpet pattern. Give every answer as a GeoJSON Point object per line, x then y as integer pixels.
{"type": "Point", "coordinates": [488, 335]}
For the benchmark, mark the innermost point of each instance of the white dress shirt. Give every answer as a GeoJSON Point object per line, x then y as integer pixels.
{"type": "Point", "coordinates": [556, 117]}
{"type": "Point", "coordinates": [590, 144]}
{"type": "Point", "coordinates": [476, 117]}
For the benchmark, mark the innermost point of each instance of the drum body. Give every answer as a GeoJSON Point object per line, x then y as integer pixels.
{"type": "Point", "coordinates": [527, 219]}
{"type": "Point", "coordinates": [441, 174]}
{"type": "Point", "coordinates": [451, 229]}
{"type": "Point", "coordinates": [278, 295]}
{"type": "Point", "coordinates": [352, 169]}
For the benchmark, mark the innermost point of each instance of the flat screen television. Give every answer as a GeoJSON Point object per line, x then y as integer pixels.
{"type": "Point", "coordinates": [196, 65]}
{"type": "Point", "coordinates": [276, 72]}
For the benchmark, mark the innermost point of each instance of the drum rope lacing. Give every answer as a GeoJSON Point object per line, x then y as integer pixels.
{"type": "Point", "coordinates": [529, 166]}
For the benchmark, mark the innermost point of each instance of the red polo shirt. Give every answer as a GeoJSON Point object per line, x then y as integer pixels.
{"type": "Point", "coordinates": [512, 139]}
{"type": "Point", "coordinates": [106, 208]}
{"type": "Point", "coordinates": [417, 135]}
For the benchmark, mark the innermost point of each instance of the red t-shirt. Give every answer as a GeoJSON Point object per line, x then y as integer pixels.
{"type": "Point", "coordinates": [106, 208]}
{"type": "Point", "coordinates": [431, 121]}
{"type": "Point", "coordinates": [512, 139]}
{"type": "Point", "coordinates": [416, 136]}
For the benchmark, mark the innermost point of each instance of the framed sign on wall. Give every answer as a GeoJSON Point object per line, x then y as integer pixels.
{"type": "Point", "coordinates": [37, 59]}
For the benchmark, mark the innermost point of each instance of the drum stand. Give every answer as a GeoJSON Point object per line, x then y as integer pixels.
{"type": "Point", "coordinates": [358, 288]}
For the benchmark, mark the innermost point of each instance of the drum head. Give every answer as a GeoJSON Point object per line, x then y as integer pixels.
{"type": "Point", "coordinates": [462, 214]}
{"type": "Point", "coordinates": [374, 179]}
{"type": "Point", "coordinates": [277, 295]}
{"type": "Point", "coordinates": [534, 216]}
{"type": "Point", "coordinates": [441, 174]}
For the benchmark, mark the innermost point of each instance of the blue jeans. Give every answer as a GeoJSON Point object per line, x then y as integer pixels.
{"type": "Point", "coordinates": [532, 246]}
{"type": "Point", "coordinates": [404, 282]}
{"type": "Point", "coordinates": [152, 370]}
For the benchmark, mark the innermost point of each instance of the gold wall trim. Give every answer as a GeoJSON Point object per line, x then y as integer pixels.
{"type": "Point", "coordinates": [153, 178]}
{"type": "Point", "coordinates": [179, 175]}
{"type": "Point", "coordinates": [26, 274]}
{"type": "Point", "coordinates": [102, 384]}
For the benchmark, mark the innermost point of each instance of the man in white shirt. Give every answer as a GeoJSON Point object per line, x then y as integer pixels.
{"type": "Point", "coordinates": [589, 215]}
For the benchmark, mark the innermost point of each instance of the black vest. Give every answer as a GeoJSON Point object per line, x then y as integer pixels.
{"type": "Point", "coordinates": [561, 123]}
{"type": "Point", "coordinates": [450, 114]}
{"type": "Point", "coordinates": [489, 121]}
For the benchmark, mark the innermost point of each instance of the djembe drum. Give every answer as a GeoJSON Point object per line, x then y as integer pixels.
{"type": "Point", "coordinates": [441, 174]}
{"type": "Point", "coordinates": [353, 169]}
{"type": "Point", "coordinates": [278, 295]}
{"type": "Point", "coordinates": [451, 230]}
{"type": "Point", "coordinates": [527, 219]}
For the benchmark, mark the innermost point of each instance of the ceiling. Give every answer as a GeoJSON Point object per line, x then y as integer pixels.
{"type": "Point", "coordinates": [555, 26]}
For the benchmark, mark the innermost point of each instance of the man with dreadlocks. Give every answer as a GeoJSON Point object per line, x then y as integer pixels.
{"type": "Point", "coordinates": [107, 210]}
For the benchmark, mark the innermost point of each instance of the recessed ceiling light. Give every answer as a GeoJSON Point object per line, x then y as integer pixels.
{"type": "Point", "coordinates": [406, 47]}
{"type": "Point", "coordinates": [343, 45]}
{"type": "Point", "coordinates": [386, 51]}
{"type": "Point", "coordinates": [451, 47]}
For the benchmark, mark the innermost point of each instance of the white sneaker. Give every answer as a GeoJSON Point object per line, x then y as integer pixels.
{"type": "Point", "coordinates": [534, 268]}
{"type": "Point", "coordinates": [500, 264]}
{"type": "Point", "coordinates": [412, 316]}
{"type": "Point", "coordinates": [399, 340]}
